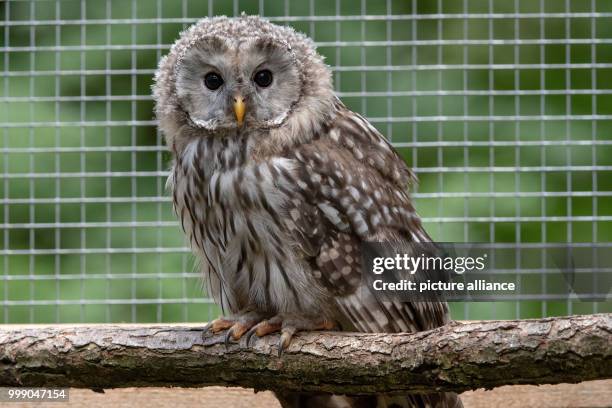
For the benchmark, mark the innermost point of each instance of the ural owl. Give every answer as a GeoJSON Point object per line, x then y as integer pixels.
{"type": "Point", "coordinates": [276, 185]}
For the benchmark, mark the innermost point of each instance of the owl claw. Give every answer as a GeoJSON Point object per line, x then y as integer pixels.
{"type": "Point", "coordinates": [226, 339]}
{"type": "Point", "coordinates": [287, 329]}
{"type": "Point", "coordinates": [236, 332]}
{"type": "Point", "coordinates": [262, 328]}
{"type": "Point", "coordinates": [216, 326]}
{"type": "Point", "coordinates": [206, 328]}
{"type": "Point", "coordinates": [285, 339]}
{"type": "Point", "coordinates": [249, 335]}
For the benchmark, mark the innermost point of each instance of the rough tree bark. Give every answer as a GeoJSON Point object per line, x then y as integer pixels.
{"type": "Point", "coordinates": [457, 357]}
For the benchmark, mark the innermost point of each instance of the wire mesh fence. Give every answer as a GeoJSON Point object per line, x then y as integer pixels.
{"type": "Point", "coordinates": [504, 110]}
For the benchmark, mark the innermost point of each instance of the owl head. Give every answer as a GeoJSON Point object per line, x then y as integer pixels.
{"type": "Point", "coordinates": [229, 75]}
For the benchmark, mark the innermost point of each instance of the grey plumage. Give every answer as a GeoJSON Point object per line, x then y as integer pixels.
{"type": "Point", "coordinates": [275, 208]}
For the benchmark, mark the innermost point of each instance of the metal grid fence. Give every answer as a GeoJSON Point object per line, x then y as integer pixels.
{"type": "Point", "coordinates": [503, 108]}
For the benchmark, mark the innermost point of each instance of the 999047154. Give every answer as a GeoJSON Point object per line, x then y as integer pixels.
{"type": "Point", "coordinates": [23, 394]}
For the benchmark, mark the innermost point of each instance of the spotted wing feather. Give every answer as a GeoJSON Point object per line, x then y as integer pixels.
{"type": "Point", "coordinates": [356, 185]}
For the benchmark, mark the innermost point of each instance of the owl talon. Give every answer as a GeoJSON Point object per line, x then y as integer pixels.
{"type": "Point", "coordinates": [216, 326]}
{"type": "Point", "coordinates": [285, 339]}
{"type": "Point", "coordinates": [249, 335]}
{"type": "Point", "coordinates": [288, 326]}
{"type": "Point", "coordinates": [226, 339]}
{"type": "Point", "coordinates": [206, 329]}
{"type": "Point", "coordinates": [262, 328]}
{"type": "Point", "coordinates": [236, 332]}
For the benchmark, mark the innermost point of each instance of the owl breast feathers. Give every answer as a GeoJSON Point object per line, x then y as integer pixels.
{"type": "Point", "coordinates": [277, 184]}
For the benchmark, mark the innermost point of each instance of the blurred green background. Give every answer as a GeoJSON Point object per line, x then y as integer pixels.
{"type": "Point", "coordinates": [504, 109]}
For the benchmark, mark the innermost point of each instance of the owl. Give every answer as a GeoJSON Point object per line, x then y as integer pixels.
{"type": "Point", "coordinates": [277, 184]}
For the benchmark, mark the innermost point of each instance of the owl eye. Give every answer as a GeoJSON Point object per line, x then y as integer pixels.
{"type": "Point", "coordinates": [213, 81]}
{"type": "Point", "coordinates": [263, 78]}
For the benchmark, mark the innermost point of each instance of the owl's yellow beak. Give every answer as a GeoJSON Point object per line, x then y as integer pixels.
{"type": "Point", "coordinates": [239, 109]}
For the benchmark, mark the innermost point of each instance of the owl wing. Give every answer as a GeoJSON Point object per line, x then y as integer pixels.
{"type": "Point", "coordinates": [355, 189]}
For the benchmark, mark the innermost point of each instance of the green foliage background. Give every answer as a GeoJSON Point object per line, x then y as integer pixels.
{"type": "Point", "coordinates": [56, 128]}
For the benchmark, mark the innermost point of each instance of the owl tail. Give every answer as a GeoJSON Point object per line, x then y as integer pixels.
{"type": "Point", "coordinates": [437, 400]}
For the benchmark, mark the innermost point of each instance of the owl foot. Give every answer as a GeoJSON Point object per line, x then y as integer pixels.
{"type": "Point", "coordinates": [238, 330]}
{"type": "Point", "coordinates": [288, 325]}
{"type": "Point", "coordinates": [262, 328]}
{"type": "Point", "coordinates": [236, 325]}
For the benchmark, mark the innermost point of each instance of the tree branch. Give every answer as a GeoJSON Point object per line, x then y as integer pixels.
{"type": "Point", "coordinates": [457, 357]}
